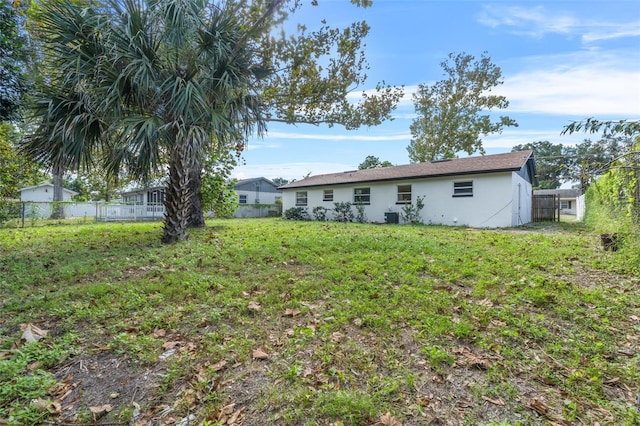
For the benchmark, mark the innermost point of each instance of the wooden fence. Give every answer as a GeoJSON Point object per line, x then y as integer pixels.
{"type": "Point", "coordinates": [546, 208]}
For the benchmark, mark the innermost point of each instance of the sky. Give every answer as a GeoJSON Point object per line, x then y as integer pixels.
{"type": "Point", "coordinates": [560, 60]}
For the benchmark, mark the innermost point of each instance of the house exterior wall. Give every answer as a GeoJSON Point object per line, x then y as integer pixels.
{"type": "Point", "coordinates": [42, 193]}
{"type": "Point", "coordinates": [254, 197]}
{"type": "Point", "coordinates": [491, 204]}
{"type": "Point", "coordinates": [522, 206]}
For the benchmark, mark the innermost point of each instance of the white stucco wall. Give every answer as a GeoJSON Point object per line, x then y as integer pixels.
{"type": "Point", "coordinates": [521, 209]}
{"type": "Point", "coordinates": [492, 203]}
{"type": "Point", "coordinates": [42, 193]}
{"type": "Point", "coordinates": [263, 196]}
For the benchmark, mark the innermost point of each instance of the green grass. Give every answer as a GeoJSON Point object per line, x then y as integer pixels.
{"type": "Point", "coordinates": [358, 320]}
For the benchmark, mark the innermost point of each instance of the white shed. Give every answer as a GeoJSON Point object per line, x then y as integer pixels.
{"type": "Point", "coordinates": [489, 191]}
{"type": "Point", "coordinates": [43, 192]}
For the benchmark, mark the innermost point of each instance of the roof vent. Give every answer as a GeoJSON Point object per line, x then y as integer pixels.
{"type": "Point", "coordinates": [350, 171]}
{"type": "Point", "coordinates": [441, 161]}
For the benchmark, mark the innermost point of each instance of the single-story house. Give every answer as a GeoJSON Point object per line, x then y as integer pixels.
{"type": "Point", "coordinates": [43, 192]}
{"type": "Point", "coordinates": [257, 191]}
{"type": "Point", "coordinates": [486, 191]}
{"type": "Point", "coordinates": [568, 198]}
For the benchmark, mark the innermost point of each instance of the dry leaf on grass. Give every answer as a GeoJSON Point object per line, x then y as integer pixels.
{"type": "Point", "coordinates": [101, 409]}
{"type": "Point", "coordinates": [387, 420]}
{"type": "Point", "coordinates": [32, 333]}
{"type": "Point", "coordinates": [254, 306]}
{"type": "Point", "coordinates": [260, 353]}
{"type": "Point", "coordinates": [52, 407]}
{"type": "Point", "coordinates": [291, 312]}
{"type": "Point", "coordinates": [497, 401]}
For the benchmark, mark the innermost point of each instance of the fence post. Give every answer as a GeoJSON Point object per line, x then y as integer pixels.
{"type": "Point", "coordinates": [23, 212]}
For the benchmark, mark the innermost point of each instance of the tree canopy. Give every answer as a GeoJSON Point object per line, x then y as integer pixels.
{"type": "Point", "coordinates": [551, 162]}
{"type": "Point", "coordinates": [14, 55]}
{"type": "Point", "coordinates": [453, 114]}
{"type": "Point", "coordinates": [373, 162]}
{"type": "Point", "coordinates": [143, 84]}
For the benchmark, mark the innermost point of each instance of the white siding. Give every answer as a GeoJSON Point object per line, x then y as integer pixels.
{"type": "Point", "coordinates": [262, 197]}
{"type": "Point", "coordinates": [42, 193]}
{"type": "Point", "coordinates": [494, 202]}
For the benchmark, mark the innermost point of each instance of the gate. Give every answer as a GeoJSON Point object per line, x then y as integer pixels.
{"type": "Point", "coordinates": [546, 208]}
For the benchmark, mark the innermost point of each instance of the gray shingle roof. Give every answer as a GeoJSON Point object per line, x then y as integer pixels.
{"type": "Point", "coordinates": [512, 161]}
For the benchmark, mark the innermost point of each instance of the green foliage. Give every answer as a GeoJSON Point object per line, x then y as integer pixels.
{"type": "Point", "coordinates": [452, 112]}
{"type": "Point", "coordinates": [320, 213]}
{"type": "Point", "coordinates": [411, 213]}
{"type": "Point", "coordinates": [16, 171]}
{"type": "Point", "coordinates": [24, 378]}
{"type": "Point", "coordinates": [296, 213]}
{"type": "Point", "coordinates": [14, 58]}
{"type": "Point", "coordinates": [551, 162]}
{"type": "Point", "coordinates": [217, 190]}
{"type": "Point", "coordinates": [373, 162]}
{"type": "Point", "coordinates": [361, 216]}
{"type": "Point", "coordinates": [342, 211]}
{"type": "Point", "coordinates": [608, 127]}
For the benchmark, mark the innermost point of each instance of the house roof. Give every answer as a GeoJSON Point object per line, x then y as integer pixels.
{"type": "Point", "coordinates": [47, 184]}
{"type": "Point", "coordinates": [512, 161]}
{"type": "Point", "coordinates": [563, 193]}
{"type": "Point", "coordinates": [251, 180]}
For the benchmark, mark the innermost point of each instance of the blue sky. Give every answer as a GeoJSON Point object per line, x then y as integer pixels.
{"type": "Point", "coordinates": [560, 61]}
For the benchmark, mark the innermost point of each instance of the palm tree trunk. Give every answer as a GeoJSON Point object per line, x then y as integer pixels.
{"type": "Point", "coordinates": [57, 209]}
{"type": "Point", "coordinates": [177, 200]}
{"type": "Point", "coordinates": [196, 216]}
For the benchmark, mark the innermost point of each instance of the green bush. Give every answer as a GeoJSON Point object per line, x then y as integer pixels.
{"type": "Point", "coordinates": [320, 213]}
{"type": "Point", "coordinates": [343, 211]}
{"type": "Point", "coordinates": [296, 213]}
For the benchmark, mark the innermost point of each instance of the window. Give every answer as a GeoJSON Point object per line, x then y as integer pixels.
{"type": "Point", "coordinates": [301, 198]}
{"type": "Point", "coordinates": [362, 195]}
{"type": "Point", "coordinates": [155, 196]}
{"type": "Point", "coordinates": [565, 204]}
{"type": "Point", "coordinates": [404, 194]}
{"type": "Point", "coordinates": [327, 195]}
{"type": "Point", "coordinates": [242, 199]}
{"type": "Point", "coordinates": [463, 189]}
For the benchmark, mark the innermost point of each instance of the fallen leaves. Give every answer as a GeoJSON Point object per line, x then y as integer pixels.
{"type": "Point", "coordinates": [32, 333]}
{"type": "Point", "coordinates": [259, 353]}
{"type": "Point", "coordinates": [387, 420]}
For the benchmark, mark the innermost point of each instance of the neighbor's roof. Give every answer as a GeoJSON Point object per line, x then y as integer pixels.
{"type": "Point", "coordinates": [250, 180]}
{"type": "Point", "coordinates": [512, 161]}
{"type": "Point", "coordinates": [563, 193]}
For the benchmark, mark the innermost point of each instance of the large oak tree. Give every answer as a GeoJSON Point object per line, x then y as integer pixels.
{"type": "Point", "coordinates": [454, 113]}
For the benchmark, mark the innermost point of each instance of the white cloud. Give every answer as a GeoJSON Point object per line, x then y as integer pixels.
{"type": "Point", "coordinates": [539, 21]}
{"type": "Point", "coordinates": [581, 85]}
{"type": "Point", "coordinates": [530, 21]}
{"type": "Point", "coordinates": [512, 137]}
{"type": "Point", "coordinates": [290, 170]}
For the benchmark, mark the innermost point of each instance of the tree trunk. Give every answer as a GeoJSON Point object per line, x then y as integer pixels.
{"type": "Point", "coordinates": [177, 199]}
{"type": "Point", "coordinates": [196, 216]}
{"type": "Point", "coordinates": [57, 209]}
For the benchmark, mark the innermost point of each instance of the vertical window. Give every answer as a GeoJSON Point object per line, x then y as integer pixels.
{"type": "Point", "coordinates": [301, 198]}
{"type": "Point", "coordinates": [463, 189]}
{"type": "Point", "coordinates": [242, 199]}
{"type": "Point", "coordinates": [327, 195]}
{"type": "Point", "coordinates": [362, 195]}
{"type": "Point", "coordinates": [404, 194]}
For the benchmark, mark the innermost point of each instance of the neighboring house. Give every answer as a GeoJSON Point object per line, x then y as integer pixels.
{"type": "Point", "coordinates": [257, 198]}
{"type": "Point", "coordinates": [568, 198]}
{"type": "Point", "coordinates": [257, 191]}
{"type": "Point", "coordinates": [487, 191]}
{"type": "Point", "coordinates": [152, 196]}
{"type": "Point", "coordinates": [43, 192]}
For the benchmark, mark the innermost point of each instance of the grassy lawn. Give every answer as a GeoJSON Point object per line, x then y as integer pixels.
{"type": "Point", "coordinates": [259, 322]}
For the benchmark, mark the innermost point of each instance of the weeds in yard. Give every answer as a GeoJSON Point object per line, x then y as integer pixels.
{"type": "Point", "coordinates": [316, 322]}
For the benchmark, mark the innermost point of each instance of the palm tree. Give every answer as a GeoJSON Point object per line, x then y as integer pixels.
{"type": "Point", "coordinates": [151, 82]}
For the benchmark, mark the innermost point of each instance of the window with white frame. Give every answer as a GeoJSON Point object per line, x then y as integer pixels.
{"type": "Point", "coordinates": [565, 204]}
{"type": "Point", "coordinates": [463, 189]}
{"type": "Point", "coordinates": [301, 198]}
{"type": "Point", "coordinates": [404, 194]}
{"type": "Point", "coordinates": [242, 199]}
{"type": "Point", "coordinates": [327, 195]}
{"type": "Point", "coordinates": [362, 196]}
